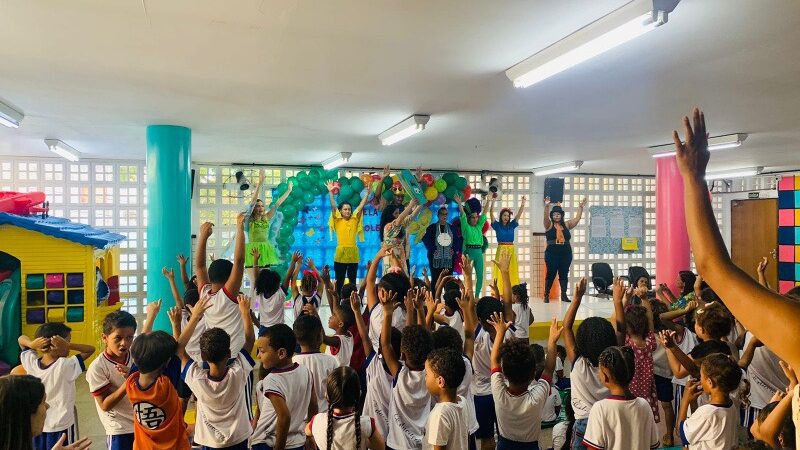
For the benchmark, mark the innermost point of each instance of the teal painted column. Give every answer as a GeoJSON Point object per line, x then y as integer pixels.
{"type": "Point", "coordinates": [169, 210]}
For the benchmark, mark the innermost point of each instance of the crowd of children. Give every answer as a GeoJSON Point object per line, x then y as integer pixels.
{"type": "Point", "coordinates": [411, 364]}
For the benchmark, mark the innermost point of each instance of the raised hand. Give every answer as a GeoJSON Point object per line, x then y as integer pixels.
{"type": "Point", "coordinates": [762, 265]}
{"type": "Point", "coordinates": [791, 375]}
{"type": "Point", "coordinates": [458, 198]}
{"type": "Point", "coordinates": [494, 288]}
{"type": "Point", "coordinates": [693, 391]}
{"type": "Point", "coordinates": [59, 344]}
{"type": "Point", "coordinates": [582, 204]}
{"type": "Point", "coordinates": [168, 273]}
{"type": "Point", "coordinates": [466, 264]}
{"type": "Point", "coordinates": [153, 308]}
{"type": "Point", "coordinates": [503, 261]}
{"type": "Point", "coordinates": [580, 288]}
{"type": "Point", "coordinates": [174, 315]}
{"type": "Point", "coordinates": [641, 292]}
{"type": "Point", "coordinates": [206, 229]}
{"type": "Point", "coordinates": [200, 307]}
{"type": "Point", "coordinates": [555, 331]}
{"type": "Point", "coordinates": [547, 200]}
{"type": "Point", "coordinates": [430, 303]}
{"type": "Point", "coordinates": [692, 154]}
{"type": "Point", "coordinates": [617, 290]}
{"type": "Point", "coordinates": [181, 259]}
{"type": "Point", "coordinates": [330, 186]}
{"type": "Point", "coordinates": [326, 274]}
{"type": "Point", "coordinates": [500, 325]}
{"type": "Point", "coordinates": [388, 300]}
{"type": "Point", "coordinates": [240, 220]}
{"type": "Point", "coordinates": [244, 303]}
{"type": "Point", "coordinates": [667, 338]}
{"type": "Point", "coordinates": [355, 303]}
{"type": "Point", "coordinates": [255, 254]}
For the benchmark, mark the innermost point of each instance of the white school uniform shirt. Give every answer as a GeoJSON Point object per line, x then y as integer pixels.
{"type": "Point", "coordinates": [711, 427]}
{"type": "Point", "coordinates": [294, 385]}
{"type": "Point", "coordinates": [522, 320]}
{"type": "Point", "coordinates": [320, 365]}
{"type": "Point", "coordinates": [222, 404]}
{"type": "Point", "coordinates": [661, 362]}
{"type": "Point", "coordinates": [193, 346]}
{"type": "Point", "coordinates": [409, 407]}
{"type": "Point", "coordinates": [465, 390]}
{"type": "Point", "coordinates": [345, 350]}
{"type": "Point", "coordinates": [224, 313]}
{"type": "Point", "coordinates": [447, 426]}
{"type": "Point", "coordinates": [344, 431]}
{"type": "Point", "coordinates": [270, 309]}
{"type": "Point", "coordinates": [688, 342]}
{"type": "Point", "coordinates": [481, 362]}
{"type": "Point", "coordinates": [559, 366]}
{"type": "Point", "coordinates": [103, 377]}
{"type": "Point", "coordinates": [59, 385]}
{"type": "Point", "coordinates": [379, 392]}
{"type": "Point", "coordinates": [560, 434]}
{"type": "Point", "coordinates": [553, 399]}
{"type": "Point", "coordinates": [301, 300]}
{"type": "Point", "coordinates": [621, 423]}
{"type": "Point", "coordinates": [586, 388]}
{"type": "Point", "coordinates": [376, 323]}
{"type": "Point", "coordinates": [455, 322]}
{"type": "Point", "coordinates": [765, 375]}
{"type": "Point", "coordinates": [519, 417]}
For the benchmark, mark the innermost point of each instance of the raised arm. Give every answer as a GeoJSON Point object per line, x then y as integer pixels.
{"type": "Point", "coordinates": [169, 274]}
{"type": "Point", "coordinates": [467, 305]}
{"type": "Point", "coordinates": [617, 293]}
{"type": "Point", "coordinates": [460, 203]}
{"type": "Point", "coordinates": [247, 323]}
{"type": "Point", "coordinates": [521, 209]}
{"type": "Point", "coordinates": [360, 208]}
{"type": "Point", "coordinates": [234, 283]}
{"type": "Point", "coordinates": [151, 312]}
{"type": "Point", "coordinates": [500, 328]}
{"type": "Point", "coordinates": [366, 342]}
{"type": "Point", "coordinates": [257, 190]}
{"type": "Point", "coordinates": [779, 324]}
{"type": "Point", "coordinates": [569, 319]}
{"type": "Point", "coordinates": [206, 229]}
{"type": "Point", "coordinates": [184, 273]}
{"type": "Point", "coordinates": [197, 310]}
{"type": "Point", "coordinates": [761, 269]}
{"type": "Point", "coordinates": [679, 362]}
{"type": "Point", "coordinates": [552, 350]}
{"type": "Point", "coordinates": [572, 223]}
{"type": "Point", "coordinates": [388, 304]}
{"type": "Point", "coordinates": [411, 210]}
{"type": "Point", "coordinates": [491, 207]}
{"type": "Point", "coordinates": [85, 350]}
{"type": "Point", "coordinates": [372, 293]}
{"type": "Point", "coordinates": [330, 187]}
{"type": "Point", "coordinates": [749, 352]}
{"type": "Point", "coordinates": [546, 219]}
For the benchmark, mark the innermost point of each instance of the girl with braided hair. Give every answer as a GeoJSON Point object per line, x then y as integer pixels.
{"type": "Point", "coordinates": [622, 420]}
{"type": "Point", "coordinates": [342, 427]}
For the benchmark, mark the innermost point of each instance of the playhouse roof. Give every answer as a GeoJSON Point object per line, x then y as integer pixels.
{"type": "Point", "coordinates": [64, 229]}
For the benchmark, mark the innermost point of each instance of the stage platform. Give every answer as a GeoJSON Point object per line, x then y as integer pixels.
{"type": "Point", "coordinates": [543, 313]}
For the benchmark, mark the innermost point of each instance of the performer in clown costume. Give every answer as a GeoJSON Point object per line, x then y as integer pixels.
{"type": "Point", "coordinates": [472, 220]}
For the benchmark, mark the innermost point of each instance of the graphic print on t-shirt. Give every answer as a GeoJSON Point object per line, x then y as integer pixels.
{"type": "Point", "coordinates": [149, 415]}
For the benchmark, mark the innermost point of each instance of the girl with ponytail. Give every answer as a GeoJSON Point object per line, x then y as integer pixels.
{"type": "Point", "coordinates": [342, 427]}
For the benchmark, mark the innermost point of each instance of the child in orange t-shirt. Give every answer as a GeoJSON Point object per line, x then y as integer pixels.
{"type": "Point", "coordinates": [158, 419]}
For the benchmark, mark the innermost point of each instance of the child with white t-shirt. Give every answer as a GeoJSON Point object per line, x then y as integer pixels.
{"type": "Point", "coordinates": [342, 427]}
{"type": "Point", "coordinates": [221, 282]}
{"type": "Point", "coordinates": [58, 372]}
{"type": "Point", "coordinates": [622, 421]}
{"type": "Point", "coordinates": [218, 382]}
{"type": "Point", "coordinates": [107, 384]}
{"type": "Point", "coordinates": [285, 396]}
{"type": "Point", "coordinates": [410, 402]}
{"type": "Point", "coordinates": [305, 299]}
{"type": "Point", "coordinates": [342, 319]}
{"type": "Point", "coordinates": [714, 425]}
{"type": "Point", "coordinates": [594, 335]}
{"type": "Point", "coordinates": [518, 402]}
{"type": "Point", "coordinates": [269, 292]}
{"type": "Point", "coordinates": [308, 332]}
{"type": "Point", "coordinates": [447, 423]}
{"type": "Point", "coordinates": [523, 316]}
{"type": "Point", "coordinates": [450, 314]}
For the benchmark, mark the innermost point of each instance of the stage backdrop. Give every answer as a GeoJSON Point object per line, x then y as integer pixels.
{"type": "Point", "coordinates": [608, 225]}
{"type": "Point", "coordinates": [788, 232]}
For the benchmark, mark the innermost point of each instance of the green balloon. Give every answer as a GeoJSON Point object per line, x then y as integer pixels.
{"type": "Point", "coordinates": [356, 184]}
{"type": "Point", "coordinates": [292, 180]}
{"type": "Point", "coordinates": [288, 211]}
{"type": "Point", "coordinates": [387, 182]}
{"type": "Point", "coordinates": [343, 181]}
{"type": "Point", "coordinates": [355, 200]}
{"type": "Point", "coordinates": [308, 196]}
{"type": "Point", "coordinates": [449, 177]}
{"type": "Point", "coordinates": [345, 192]}
{"type": "Point", "coordinates": [440, 185]}
{"type": "Point", "coordinates": [332, 174]}
{"type": "Point", "coordinates": [450, 192]}
{"type": "Point", "coordinates": [388, 195]}
{"type": "Point", "coordinates": [305, 184]}
{"type": "Point", "coordinates": [460, 183]}
{"type": "Point", "coordinates": [281, 188]}
{"type": "Point", "coordinates": [286, 230]}
{"type": "Point", "coordinates": [314, 174]}
{"type": "Point", "coordinates": [302, 175]}
{"type": "Point", "coordinates": [299, 204]}
{"type": "Point", "coordinates": [291, 220]}
{"type": "Point", "coordinates": [290, 239]}
{"type": "Point", "coordinates": [319, 188]}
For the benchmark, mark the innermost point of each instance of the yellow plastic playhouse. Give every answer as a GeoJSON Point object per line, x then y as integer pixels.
{"type": "Point", "coordinates": [54, 270]}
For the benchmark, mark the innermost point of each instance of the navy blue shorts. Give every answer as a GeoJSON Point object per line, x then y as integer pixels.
{"type": "Point", "coordinates": [664, 389]}
{"type": "Point", "coordinates": [487, 418]}
{"type": "Point", "coordinates": [240, 446]}
{"type": "Point", "coordinates": [120, 442]}
{"type": "Point", "coordinates": [508, 444]}
{"type": "Point", "coordinates": [48, 440]}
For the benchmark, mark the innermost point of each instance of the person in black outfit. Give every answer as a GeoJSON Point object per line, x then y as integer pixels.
{"type": "Point", "coordinates": [441, 241]}
{"type": "Point", "coordinates": [558, 254]}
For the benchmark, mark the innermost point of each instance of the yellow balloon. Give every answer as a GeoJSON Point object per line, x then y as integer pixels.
{"type": "Point", "coordinates": [431, 193]}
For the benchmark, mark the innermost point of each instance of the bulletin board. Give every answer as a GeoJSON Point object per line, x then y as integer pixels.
{"type": "Point", "coordinates": [788, 232]}
{"type": "Point", "coordinates": [610, 225]}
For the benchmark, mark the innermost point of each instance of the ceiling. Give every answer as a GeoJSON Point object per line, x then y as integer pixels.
{"type": "Point", "coordinates": [293, 82]}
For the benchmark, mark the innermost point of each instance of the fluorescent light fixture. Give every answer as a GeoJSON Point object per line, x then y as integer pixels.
{"type": "Point", "coordinates": [9, 116]}
{"type": "Point", "coordinates": [714, 143]}
{"type": "Point", "coordinates": [336, 161]}
{"type": "Point", "coordinates": [558, 168]}
{"type": "Point", "coordinates": [404, 129]}
{"type": "Point", "coordinates": [735, 173]}
{"type": "Point", "coordinates": [63, 150]}
{"type": "Point", "coordinates": [628, 22]}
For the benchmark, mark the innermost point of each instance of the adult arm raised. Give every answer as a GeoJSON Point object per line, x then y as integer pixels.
{"type": "Point", "coordinates": [572, 223]}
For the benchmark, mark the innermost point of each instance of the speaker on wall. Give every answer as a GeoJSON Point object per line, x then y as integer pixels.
{"type": "Point", "coordinates": [554, 188]}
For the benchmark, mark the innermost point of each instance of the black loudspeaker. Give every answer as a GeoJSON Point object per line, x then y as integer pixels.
{"type": "Point", "coordinates": [554, 188]}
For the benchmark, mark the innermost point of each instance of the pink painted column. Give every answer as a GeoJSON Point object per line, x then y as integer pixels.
{"type": "Point", "coordinates": [672, 240]}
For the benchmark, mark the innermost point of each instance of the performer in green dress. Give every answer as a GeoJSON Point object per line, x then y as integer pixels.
{"type": "Point", "coordinates": [258, 225]}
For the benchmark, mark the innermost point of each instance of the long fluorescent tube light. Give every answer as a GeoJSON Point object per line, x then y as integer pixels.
{"type": "Point", "coordinates": [558, 168]}
{"type": "Point", "coordinates": [9, 116]}
{"type": "Point", "coordinates": [336, 161]}
{"type": "Point", "coordinates": [714, 143]}
{"type": "Point", "coordinates": [736, 173]}
{"type": "Point", "coordinates": [404, 129]}
{"type": "Point", "coordinates": [63, 150]}
{"type": "Point", "coordinates": [628, 22]}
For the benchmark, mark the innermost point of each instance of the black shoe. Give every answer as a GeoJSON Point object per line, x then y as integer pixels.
{"type": "Point", "coordinates": [564, 298]}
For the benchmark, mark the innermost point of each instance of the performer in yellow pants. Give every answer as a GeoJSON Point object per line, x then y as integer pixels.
{"type": "Point", "coordinates": [504, 230]}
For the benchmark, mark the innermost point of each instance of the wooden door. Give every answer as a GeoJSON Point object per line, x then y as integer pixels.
{"type": "Point", "coordinates": [754, 234]}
